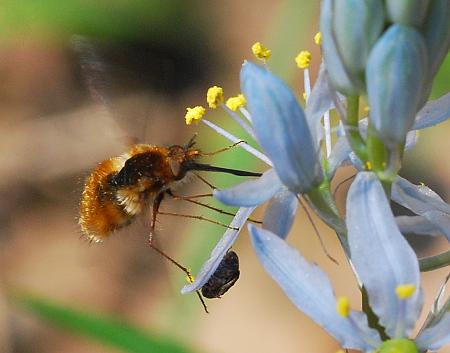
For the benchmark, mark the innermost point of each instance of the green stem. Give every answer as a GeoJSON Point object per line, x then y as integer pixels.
{"type": "Point", "coordinates": [434, 262]}
{"type": "Point", "coordinates": [355, 139]}
{"type": "Point", "coordinates": [321, 200]}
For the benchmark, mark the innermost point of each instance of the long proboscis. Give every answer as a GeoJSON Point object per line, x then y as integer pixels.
{"type": "Point", "coordinates": [211, 168]}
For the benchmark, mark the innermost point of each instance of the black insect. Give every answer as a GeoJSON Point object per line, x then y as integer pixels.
{"type": "Point", "coordinates": [224, 278]}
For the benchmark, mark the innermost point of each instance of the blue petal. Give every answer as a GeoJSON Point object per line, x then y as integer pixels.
{"type": "Point", "coordinates": [308, 287]}
{"type": "Point", "coordinates": [219, 251]}
{"type": "Point", "coordinates": [422, 201]}
{"type": "Point", "coordinates": [281, 128]}
{"type": "Point", "coordinates": [340, 155]}
{"type": "Point", "coordinates": [433, 113]}
{"type": "Point", "coordinates": [280, 213]}
{"type": "Point", "coordinates": [420, 225]}
{"type": "Point", "coordinates": [417, 198]}
{"type": "Point", "coordinates": [319, 102]}
{"type": "Point", "coordinates": [434, 337]}
{"type": "Point", "coordinates": [382, 258]}
{"type": "Point", "coordinates": [252, 192]}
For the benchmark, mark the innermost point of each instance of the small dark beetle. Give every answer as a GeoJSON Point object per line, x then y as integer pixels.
{"type": "Point", "coordinates": [224, 278]}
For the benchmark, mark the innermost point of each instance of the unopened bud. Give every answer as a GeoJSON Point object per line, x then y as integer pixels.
{"type": "Point", "coordinates": [357, 26]}
{"type": "Point", "coordinates": [407, 12]}
{"type": "Point", "coordinates": [342, 79]}
{"type": "Point", "coordinates": [436, 31]}
{"type": "Point", "coordinates": [395, 74]}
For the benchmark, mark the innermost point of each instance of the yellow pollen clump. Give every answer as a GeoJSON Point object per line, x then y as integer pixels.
{"type": "Point", "coordinates": [404, 291]}
{"type": "Point", "coordinates": [194, 115]}
{"type": "Point", "coordinates": [422, 184]}
{"type": "Point", "coordinates": [318, 38]}
{"type": "Point", "coordinates": [214, 96]}
{"type": "Point", "coordinates": [368, 165]}
{"type": "Point", "coordinates": [366, 109]}
{"type": "Point", "coordinates": [305, 95]}
{"type": "Point", "coordinates": [343, 306]}
{"type": "Point", "coordinates": [340, 351]}
{"type": "Point", "coordinates": [302, 59]}
{"type": "Point", "coordinates": [260, 51]}
{"type": "Point", "coordinates": [234, 103]}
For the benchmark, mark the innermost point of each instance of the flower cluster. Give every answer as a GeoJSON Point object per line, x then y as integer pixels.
{"type": "Point", "coordinates": [389, 51]}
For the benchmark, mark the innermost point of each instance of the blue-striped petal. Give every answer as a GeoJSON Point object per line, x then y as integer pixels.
{"type": "Point", "coordinates": [280, 213]}
{"type": "Point", "coordinates": [420, 225]}
{"type": "Point", "coordinates": [309, 288]}
{"type": "Point", "coordinates": [434, 337]}
{"type": "Point", "coordinates": [281, 128]}
{"type": "Point", "coordinates": [418, 198]}
{"type": "Point", "coordinates": [340, 155]}
{"type": "Point", "coordinates": [219, 251]}
{"type": "Point", "coordinates": [382, 257]}
{"type": "Point", "coordinates": [251, 192]}
{"type": "Point", "coordinates": [433, 113]}
{"type": "Point", "coordinates": [319, 102]}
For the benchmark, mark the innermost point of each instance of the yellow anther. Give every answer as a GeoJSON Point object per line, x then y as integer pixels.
{"type": "Point", "coordinates": [214, 96]}
{"type": "Point", "coordinates": [234, 103]}
{"type": "Point", "coordinates": [302, 59]}
{"type": "Point", "coordinates": [366, 109]}
{"type": "Point", "coordinates": [343, 306]}
{"type": "Point", "coordinates": [369, 165]}
{"type": "Point", "coordinates": [404, 291]}
{"type": "Point", "coordinates": [305, 96]}
{"type": "Point", "coordinates": [260, 51]}
{"type": "Point", "coordinates": [194, 115]}
{"type": "Point", "coordinates": [318, 38]}
{"type": "Point", "coordinates": [422, 184]}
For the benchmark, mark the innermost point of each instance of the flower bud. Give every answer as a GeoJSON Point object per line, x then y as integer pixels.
{"type": "Point", "coordinates": [395, 74]}
{"type": "Point", "coordinates": [343, 80]}
{"type": "Point", "coordinates": [357, 26]}
{"type": "Point", "coordinates": [436, 31]}
{"type": "Point", "coordinates": [407, 12]}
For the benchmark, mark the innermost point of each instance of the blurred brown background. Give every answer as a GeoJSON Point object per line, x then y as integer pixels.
{"type": "Point", "coordinates": [52, 132]}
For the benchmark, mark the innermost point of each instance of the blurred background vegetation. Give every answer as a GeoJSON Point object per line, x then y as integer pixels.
{"type": "Point", "coordinates": [59, 293]}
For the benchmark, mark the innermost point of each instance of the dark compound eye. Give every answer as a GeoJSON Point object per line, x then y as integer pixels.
{"type": "Point", "coordinates": [224, 278]}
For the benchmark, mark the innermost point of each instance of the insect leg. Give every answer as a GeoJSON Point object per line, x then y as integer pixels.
{"type": "Point", "coordinates": [189, 199]}
{"type": "Point", "coordinates": [155, 210]}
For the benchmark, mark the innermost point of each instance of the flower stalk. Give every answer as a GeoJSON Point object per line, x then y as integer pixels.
{"type": "Point", "coordinates": [355, 139]}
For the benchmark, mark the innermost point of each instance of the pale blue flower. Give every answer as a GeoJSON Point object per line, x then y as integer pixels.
{"type": "Point", "coordinates": [383, 261]}
{"type": "Point", "coordinates": [291, 141]}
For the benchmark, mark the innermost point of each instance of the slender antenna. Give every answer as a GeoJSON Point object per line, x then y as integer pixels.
{"type": "Point", "coordinates": [322, 244]}
{"type": "Point", "coordinates": [211, 168]}
{"type": "Point", "coordinates": [342, 183]}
